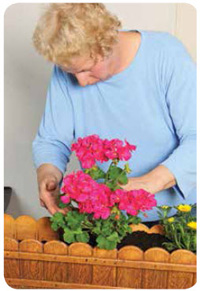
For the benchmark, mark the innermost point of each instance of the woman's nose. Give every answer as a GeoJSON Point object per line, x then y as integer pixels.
{"type": "Point", "coordinates": [82, 79]}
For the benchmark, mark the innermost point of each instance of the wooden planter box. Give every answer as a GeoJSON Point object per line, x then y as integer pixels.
{"type": "Point", "coordinates": [35, 258]}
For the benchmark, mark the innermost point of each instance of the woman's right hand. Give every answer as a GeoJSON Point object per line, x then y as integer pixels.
{"type": "Point", "coordinates": [49, 190]}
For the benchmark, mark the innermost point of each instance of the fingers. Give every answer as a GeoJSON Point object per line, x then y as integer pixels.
{"type": "Point", "coordinates": [49, 190]}
{"type": "Point", "coordinates": [126, 187]}
{"type": "Point", "coordinates": [52, 208]}
{"type": "Point", "coordinates": [42, 203]}
{"type": "Point", "coordinates": [51, 185]}
{"type": "Point", "coordinates": [63, 211]}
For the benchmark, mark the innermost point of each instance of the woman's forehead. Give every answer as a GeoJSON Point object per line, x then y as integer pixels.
{"type": "Point", "coordinates": [78, 62]}
{"type": "Point", "coordinates": [81, 61]}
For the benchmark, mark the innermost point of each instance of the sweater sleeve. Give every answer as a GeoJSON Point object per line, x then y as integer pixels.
{"type": "Point", "coordinates": [56, 131]}
{"type": "Point", "coordinates": [180, 91]}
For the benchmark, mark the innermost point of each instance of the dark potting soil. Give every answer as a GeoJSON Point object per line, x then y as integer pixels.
{"type": "Point", "coordinates": [139, 239]}
{"type": "Point", "coordinates": [143, 240]}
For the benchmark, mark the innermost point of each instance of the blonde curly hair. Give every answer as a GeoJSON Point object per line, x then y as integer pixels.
{"type": "Point", "coordinates": [69, 30]}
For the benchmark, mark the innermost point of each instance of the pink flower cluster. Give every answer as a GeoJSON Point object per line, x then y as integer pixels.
{"type": "Point", "coordinates": [90, 196]}
{"type": "Point", "coordinates": [92, 148]}
{"type": "Point", "coordinates": [99, 199]}
{"type": "Point", "coordinates": [134, 201]}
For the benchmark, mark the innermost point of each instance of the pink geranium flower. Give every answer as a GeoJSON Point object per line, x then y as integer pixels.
{"type": "Point", "coordinates": [99, 199]}
{"type": "Point", "coordinates": [90, 196]}
{"type": "Point", "coordinates": [95, 198]}
{"type": "Point", "coordinates": [134, 201]}
{"type": "Point", "coordinates": [91, 149]}
{"type": "Point", "coordinates": [103, 213]}
{"type": "Point", "coordinates": [65, 199]}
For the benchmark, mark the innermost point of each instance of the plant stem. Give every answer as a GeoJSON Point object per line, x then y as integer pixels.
{"type": "Point", "coordinates": [106, 178]}
{"type": "Point", "coordinates": [175, 238]}
{"type": "Point", "coordinates": [85, 225]}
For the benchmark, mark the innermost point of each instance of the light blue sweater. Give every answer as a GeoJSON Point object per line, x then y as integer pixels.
{"type": "Point", "coordinates": [152, 104]}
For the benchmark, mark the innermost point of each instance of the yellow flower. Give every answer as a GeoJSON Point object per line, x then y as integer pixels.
{"type": "Point", "coordinates": [192, 224]}
{"type": "Point", "coordinates": [164, 207]}
{"type": "Point", "coordinates": [171, 219]}
{"type": "Point", "coordinates": [184, 208]}
{"type": "Point", "coordinates": [127, 169]}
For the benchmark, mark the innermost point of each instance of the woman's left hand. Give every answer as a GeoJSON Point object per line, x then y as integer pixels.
{"type": "Point", "coordinates": [136, 183]}
{"type": "Point", "coordinates": [155, 181]}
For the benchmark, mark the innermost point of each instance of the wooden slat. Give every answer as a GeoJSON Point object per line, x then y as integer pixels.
{"type": "Point", "coordinates": [80, 273]}
{"type": "Point", "coordinates": [194, 279]}
{"type": "Point", "coordinates": [10, 244]}
{"type": "Point", "coordinates": [101, 262]}
{"type": "Point", "coordinates": [44, 230]}
{"type": "Point", "coordinates": [55, 271]}
{"type": "Point", "coordinates": [24, 284]}
{"type": "Point", "coordinates": [157, 229]}
{"type": "Point", "coordinates": [139, 227]}
{"type": "Point", "coordinates": [181, 280]}
{"type": "Point", "coordinates": [155, 279]}
{"type": "Point", "coordinates": [126, 277]}
{"type": "Point", "coordinates": [9, 226]}
{"type": "Point", "coordinates": [142, 227]}
{"type": "Point", "coordinates": [26, 227]}
{"type": "Point", "coordinates": [132, 264]}
{"type": "Point", "coordinates": [11, 266]}
{"type": "Point", "coordinates": [31, 269]}
{"type": "Point", "coordinates": [103, 275]}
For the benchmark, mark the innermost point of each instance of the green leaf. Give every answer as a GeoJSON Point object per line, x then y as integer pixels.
{"type": "Point", "coordinates": [122, 179]}
{"type": "Point", "coordinates": [113, 237]}
{"type": "Point", "coordinates": [83, 237]}
{"type": "Point", "coordinates": [96, 173]}
{"type": "Point", "coordinates": [58, 217]}
{"type": "Point", "coordinates": [57, 221]}
{"type": "Point", "coordinates": [77, 231]}
{"type": "Point", "coordinates": [73, 224]}
{"type": "Point", "coordinates": [96, 230]}
{"type": "Point", "coordinates": [112, 185]}
{"type": "Point", "coordinates": [129, 230]}
{"type": "Point", "coordinates": [134, 219]}
{"type": "Point", "coordinates": [160, 215]}
{"type": "Point", "coordinates": [87, 226]}
{"type": "Point", "coordinates": [54, 226]}
{"type": "Point", "coordinates": [68, 236]}
{"type": "Point", "coordinates": [114, 172]}
{"type": "Point", "coordinates": [100, 239]}
{"type": "Point", "coordinates": [103, 243]}
{"type": "Point", "coordinates": [169, 246]}
{"type": "Point", "coordinates": [110, 245]}
{"type": "Point", "coordinates": [193, 243]}
{"type": "Point", "coordinates": [74, 219]}
{"type": "Point", "coordinates": [62, 205]}
{"type": "Point", "coordinates": [106, 229]}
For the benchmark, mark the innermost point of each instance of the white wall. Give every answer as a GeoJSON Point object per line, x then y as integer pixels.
{"type": "Point", "coordinates": [185, 28]}
{"type": "Point", "coordinates": [26, 81]}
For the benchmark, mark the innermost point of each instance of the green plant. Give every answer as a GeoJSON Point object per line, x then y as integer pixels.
{"type": "Point", "coordinates": [103, 210]}
{"type": "Point", "coordinates": [108, 232]}
{"type": "Point", "coordinates": [180, 229]}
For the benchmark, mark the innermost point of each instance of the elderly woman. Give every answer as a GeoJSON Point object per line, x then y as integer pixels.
{"type": "Point", "coordinates": [134, 85]}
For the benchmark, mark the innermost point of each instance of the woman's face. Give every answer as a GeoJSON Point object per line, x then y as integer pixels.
{"type": "Point", "coordinates": [88, 72]}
